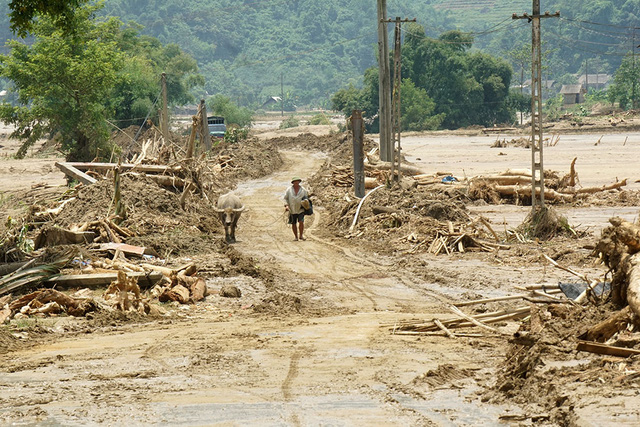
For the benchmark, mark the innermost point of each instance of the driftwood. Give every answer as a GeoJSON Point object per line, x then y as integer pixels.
{"type": "Point", "coordinates": [610, 350]}
{"type": "Point", "coordinates": [53, 236]}
{"type": "Point", "coordinates": [619, 249]}
{"type": "Point", "coordinates": [34, 301]}
{"type": "Point", "coordinates": [100, 279]}
{"type": "Point", "coordinates": [610, 326]}
{"type": "Point", "coordinates": [459, 322]}
{"type": "Point", "coordinates": [124, 293]}
{"type": "Point", "coordinates": [516, 190]}
{"type": "Point", "coordinates": [405, 169]}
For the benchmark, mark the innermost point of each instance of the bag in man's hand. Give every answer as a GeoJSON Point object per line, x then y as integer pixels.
{"type": "Point", "coordinates": [307, 206]}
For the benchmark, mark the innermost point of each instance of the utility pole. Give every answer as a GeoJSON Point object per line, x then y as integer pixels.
{"type": "Point", "coordinates": [204, 126]}
{"type": "Point", "coordinates": [586, 75]}
{"type": "Point", "coordinates": [537, 165]}
{"type": "Point", "coordinates": [282, 94]}
{"type": "Point", "coordinates": [357, 127]}
{"type": "Point", "coordinates": [396, 154]}
{"type": "Point", "coordinates": [384, 85]}
{"type": "Point", "coordinates": [164, 124]}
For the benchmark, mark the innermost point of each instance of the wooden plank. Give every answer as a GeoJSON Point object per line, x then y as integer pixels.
{"type": "Point", "coordinates": [97, 166]}
{"type": "Point", "coordinates": [145, 280]}
{"type": "Point", "coordinates": [73, 172]}
{"type": "Point", "coordinates": [594, 347]}
{"type": "Point", "coordinates": [127, 249]}
{"type": "Point", "coordinates": [485, 300]}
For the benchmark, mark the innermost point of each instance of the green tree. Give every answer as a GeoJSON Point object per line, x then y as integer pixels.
{"type": "Point", "coordinates": [62, 81]}
{"type": "Point", "coordinates": [625, 89]}
{"type": "Point", "coordinates": [59, 12]}
{"type": "Point", "coordinates": [233, 115]}
{"type": "Point", "coordinates": [417, 108]}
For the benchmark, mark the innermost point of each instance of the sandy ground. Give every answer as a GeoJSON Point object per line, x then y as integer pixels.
{"type": "Point", "coordinates": [221, 363]}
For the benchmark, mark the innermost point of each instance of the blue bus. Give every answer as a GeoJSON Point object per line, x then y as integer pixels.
{"type": "Point", "coordinates": [217, 128]}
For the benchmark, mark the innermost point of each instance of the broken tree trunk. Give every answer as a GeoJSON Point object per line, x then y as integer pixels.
{"type": "Point", "coordinates": [619, 249]}
{"type": "Point", "coordinates": [516, 190]}
{"type": "Point", "coordinates": [405, 169]}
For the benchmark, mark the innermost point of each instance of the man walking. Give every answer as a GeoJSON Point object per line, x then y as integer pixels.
{"type": "Point", "coordinates": [293, 203]}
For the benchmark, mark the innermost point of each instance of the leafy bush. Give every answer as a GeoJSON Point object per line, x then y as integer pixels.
{"type": "Point", "coordinates": [319, 119]}
{"type": "Point", "coordinates": [221, 105]}
{"type": "Point", "coordinates": [290, 122]}
{"type": "Point", "coordinates": [233, 134]}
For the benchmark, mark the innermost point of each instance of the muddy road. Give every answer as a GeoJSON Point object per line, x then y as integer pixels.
{"type": "Point", "coordinates": [222, 363]}
{"type": "Point", "coordinates": [312, 346]}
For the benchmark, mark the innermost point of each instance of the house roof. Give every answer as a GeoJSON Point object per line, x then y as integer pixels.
{"type": "Point", "coordinates": [594, 78]}
{"type": "Point", "coordinates": [567, 89]}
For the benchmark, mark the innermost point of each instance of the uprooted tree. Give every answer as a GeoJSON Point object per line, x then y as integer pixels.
{"type": "Point", "coordinates": [619, 249]}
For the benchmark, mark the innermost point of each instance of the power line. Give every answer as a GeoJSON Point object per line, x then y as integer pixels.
{"type": "Point", "coordinates": [602, 24]}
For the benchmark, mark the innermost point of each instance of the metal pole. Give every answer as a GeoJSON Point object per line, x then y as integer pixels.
{"type": "Point", "coordinates": [358, 152]}
{"type": "Point", "coordinates": [164, 125]}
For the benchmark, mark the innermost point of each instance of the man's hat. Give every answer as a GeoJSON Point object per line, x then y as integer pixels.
{"type": "Point", "coordinates": [295, 178]}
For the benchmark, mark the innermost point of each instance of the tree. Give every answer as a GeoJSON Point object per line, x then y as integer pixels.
{"type": "Point", "coordinates": [59, 12]}
{"type": "Point", "coordinates": [417, 108]}
{"type": "Point", "coordinates": [233, 115]}
{"type": "Point", "coordinates": [62, 81]}
{"type": "Point", "coordinates": [625, 89]}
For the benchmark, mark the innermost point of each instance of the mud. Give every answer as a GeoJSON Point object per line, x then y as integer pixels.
{"type": "Point", "coordinates": [310, 339]}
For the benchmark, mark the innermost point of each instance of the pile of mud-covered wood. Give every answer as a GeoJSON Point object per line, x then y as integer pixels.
{"type": "Point", "coordinates": [614, 303]}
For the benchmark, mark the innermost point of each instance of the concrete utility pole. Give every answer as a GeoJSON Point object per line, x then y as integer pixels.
{"type": "Point", "coordinates": [357, 127]}
{"type": "Point", "coordinates": [206, 138]}
{"type": "Point", "coordinates": [164, 124]}
{"type": "Point", "coordinates": [384, 85]}
{"type": "Point", "coordinates": [537, 165]}
{"type": "Point", "coordinates": [282, 94]}
{"type": "Point", "coordinates": [396, 153]}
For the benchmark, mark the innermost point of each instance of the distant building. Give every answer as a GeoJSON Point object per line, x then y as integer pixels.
{"type": "Point", "coordinates": [573, 94]}
{"type": "Point", "coordinates": [594, 81]}
{"type": "Point", "coordinates": [271, 100]}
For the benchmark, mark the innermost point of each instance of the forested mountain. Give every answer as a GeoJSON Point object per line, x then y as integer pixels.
{"type": "Point", "coordinates": [246, 48]}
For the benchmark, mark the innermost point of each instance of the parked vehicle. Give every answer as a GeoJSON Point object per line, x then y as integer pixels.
{"type": "Point", "coordinates": [217, 127]}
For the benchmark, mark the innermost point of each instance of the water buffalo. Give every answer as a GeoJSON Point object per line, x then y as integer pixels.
{"type": "Point", "coordinates": [229, 209]}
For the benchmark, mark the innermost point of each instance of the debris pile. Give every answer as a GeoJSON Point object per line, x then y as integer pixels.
{"type": "Point", "coordinates": [117, 229]}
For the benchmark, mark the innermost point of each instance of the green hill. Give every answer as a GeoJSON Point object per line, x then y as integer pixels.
{"type": "Point", "coordinates": [245, 49]}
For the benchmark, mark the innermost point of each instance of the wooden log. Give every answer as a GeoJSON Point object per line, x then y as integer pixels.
{"type": "Point", "coordinates": [550, 194]}
{"type": "Point", "coordinates": [610, 350]}
{"type": "Point", "coordinates": [74, 173]}
{"type": "Point", "coordinates": [377, 210]}
{"type": "Point", "coordinates": [591, 190]}
{"type": "Point", "coordinates": [627, 233]}
{"type": "Point", "coordinates": [444, 328]}
{"type": "Point", "coordinates": [54, 236]}
{"type": "Point", "coordinates": [633, 278]}
{"type": "Point", "coordinates": [104, 167]}
{"type": "Point", "coordinates": [486, 300]}
{"type": "Point", "coordinates": [164, 180]}
{"type": "Point", "coordinates": [92, 281]}
{"type": "Point", "coordinates": [615, 323]}
{"type": "Point", "coordinates": [167, 271]}
{"type": "Point", "coordinates": [505, 179]}
{"type": "Point", "coordinates": [457, 311]}
{"type": "Point", "coordinates": [370, 182]}
{"type": "Point", "coordinates": [198, 289]}
{"type": "Point", "coordinates": [522, 172]}
{"type": "Point", "coordinates": [572, 173]}
{"type": "Point", "coordinates": [405, 169]}
{"type": "Point", "coordinates": [177, 293]}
